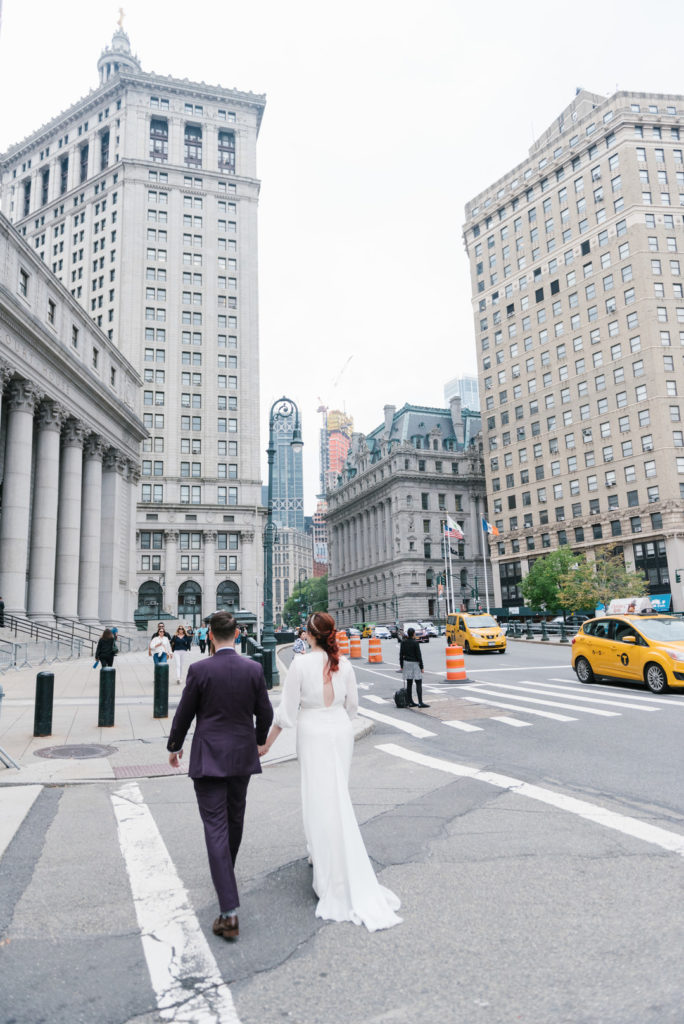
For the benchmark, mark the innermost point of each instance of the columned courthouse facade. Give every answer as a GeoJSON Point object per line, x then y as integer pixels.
{"type": "Point", "coordinates": [576, 260]}
{"type": "Point", "coordinates": [141, 199]}
{"type": "Point", "coordinates": [70, 435]}
{"type": "Point", "coordinates": [386, 517]}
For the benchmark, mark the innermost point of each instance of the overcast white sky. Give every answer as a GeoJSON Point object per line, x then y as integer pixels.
{"type": "Point", "coordinates": [383, 118]}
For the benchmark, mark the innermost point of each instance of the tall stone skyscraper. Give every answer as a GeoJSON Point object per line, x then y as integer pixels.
{"type": "Point", "coordinates": [142, 199]}
{"type": "Point", "coordinates": [578, 296]}
{"type": "Point", "coordinates": [288, 479]}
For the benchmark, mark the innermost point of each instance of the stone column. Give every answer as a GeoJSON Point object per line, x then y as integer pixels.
{"type": "Point", "coordinates": [170, 598]}
{"type": "Point", "coordinates": [388, 531]}
{"type": "Point", "coordinates": [209, 592]}
{"type": "Point", "coordinates": [131, 599]}
{"type": "Point", "coordinates": [69, 521]}
{"type": "Point", "coordinates": [16, 495]}
{"type": "Point", "coordinates": [114, 537]}
{"type": "Point", "coordinates": [41, 583]}
{"type": "Point", "coordinates": [5, 374]}
{"type": "Point", "coordinates": [89, 553]}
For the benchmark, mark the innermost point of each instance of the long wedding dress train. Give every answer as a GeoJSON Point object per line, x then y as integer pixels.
{"type": "Point", "coordinates": [343, 877]}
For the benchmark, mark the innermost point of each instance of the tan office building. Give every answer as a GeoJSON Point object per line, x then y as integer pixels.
{"type": "Point", "coordinates": [141, 198]}
{"type": "Point", "coordinates": [576, 260]}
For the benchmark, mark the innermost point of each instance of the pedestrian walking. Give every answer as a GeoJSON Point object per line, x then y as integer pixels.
{"type": "Point", "coordinates": [181, 643]}
{"type": "Point", "coordinates": [160, 646]}
{"type": "Point", "coordinates": [224, 694]}
{"type": "Point", "coordinates": [299, 646]}
{"type": "Point", "coordinates": [411, 662]}
{"type": "Point", "coordinates": [106, 649]}
{"type": "Point", "coordinates": [202, 638]}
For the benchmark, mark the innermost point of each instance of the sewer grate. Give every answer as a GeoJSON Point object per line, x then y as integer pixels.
{"type": "Point", "coordinates": [135, 771]}
{"type": "Point", "coordinates": [457, 708]}
{"type": "Point", "coordinates": [77, 750]}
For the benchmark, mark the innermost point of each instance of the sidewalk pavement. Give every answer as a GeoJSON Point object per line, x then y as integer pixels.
{"type": "Point", "coordinates": [135, 744]}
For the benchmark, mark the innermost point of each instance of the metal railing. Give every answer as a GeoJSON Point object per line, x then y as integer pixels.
{"type": "Point", "coordinates": [37, 643]}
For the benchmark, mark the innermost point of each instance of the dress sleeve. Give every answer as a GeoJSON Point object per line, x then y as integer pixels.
{"type": "Point", "coordinates": [286, 713]}
{"type": "Point", "coordinates": [351, 700]}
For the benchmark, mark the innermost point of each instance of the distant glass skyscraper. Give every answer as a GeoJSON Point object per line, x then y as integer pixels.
{"type": "Point", "coordinates": [288, 479]}
{"type": "Point", "coordinates": [466, 388]}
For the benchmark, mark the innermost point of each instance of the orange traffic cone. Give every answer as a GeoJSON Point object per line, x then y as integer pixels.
{"type": "Point", "coordinates": [355, 644]}
{"type": "Point", "coordinates": [374, 649]}
{"type": "Point", "coordinates": [343, 642]}
{"type": "Point", "coordinates": [455, 664]}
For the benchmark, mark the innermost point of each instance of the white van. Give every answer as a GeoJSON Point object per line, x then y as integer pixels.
{"type": "Point", "coordinates": [630, 606]}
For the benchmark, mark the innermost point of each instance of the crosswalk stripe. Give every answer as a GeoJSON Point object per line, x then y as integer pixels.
{"type": "Point", "coordinates": [653, 699]}
{"type": "Point", "coordinates": [530, 687]}
{"type": "Point", "coordinates": [413, 730]}
{"type": "Point", "coordinates": [464, 726]}
{"type": "Point", "coordinates": [16, 802]}
{"type": "Point", "coordinates": [552, 703]}
{"type": "Point", "coordinates": [374, 699]}
{"type": "Point", "coordinates": [673, 842]}
{"type": "Point", "coordinates": [516, 707]}
{"type": "Point", "coordinates": [509, 721]}
{"type": "Point", "coordinates": [183, 971]}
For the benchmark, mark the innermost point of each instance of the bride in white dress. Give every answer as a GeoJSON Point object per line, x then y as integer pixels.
{"type": "Point", "coordinates": [320, 698]}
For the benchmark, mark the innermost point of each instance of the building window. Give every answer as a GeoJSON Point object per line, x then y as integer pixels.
{"type": "Point", "coordinates": [83, 162]}
{"type": "Point", "coordinates": [23, 282]}
{"type": "Point", "coordinates": [226, 151]}
{"type": "Point", "coordinates": [159, 139]}
{"type": "Point", "coordinates": [193, 145]}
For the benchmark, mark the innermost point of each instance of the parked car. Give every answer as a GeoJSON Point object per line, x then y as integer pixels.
{"type": "Point", "coordinates": [393, 629]}
{"type": "Point", "coordinates": [573, 621]}
{"type": "Point", "coordinates": [645, 648]}
{"type": "Point", "coordinates": [431, 628]}
{"type": "Point", "coordinates": [422, 635]}
{"type": "Point", "coordinates": [475, 633]}
{"type": "Point", "coordinates": [352, 631]}
{"type": "Point", "coordinates": [382, 632]}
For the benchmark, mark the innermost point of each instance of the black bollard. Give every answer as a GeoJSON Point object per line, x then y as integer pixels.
{"type": "Point", "coordinates": [105, 715]}
{"type": "Point", "coordinates": [545, 635]}
{"type": "Point", "coordinates": [564, 635]}
{"type": "Point", "coordinates": [528, 633]}
{"type": "Point", "coordinates": [161, 691]}
{"type": "Point", "coordinates": [42, 719]}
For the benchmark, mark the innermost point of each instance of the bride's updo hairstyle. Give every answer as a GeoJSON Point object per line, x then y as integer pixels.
{"type": "Point", "coordinates": [321, 627]}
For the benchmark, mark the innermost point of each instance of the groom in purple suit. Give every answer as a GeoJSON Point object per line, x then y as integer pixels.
{"type": "Point", "coordinates": [224, 693]}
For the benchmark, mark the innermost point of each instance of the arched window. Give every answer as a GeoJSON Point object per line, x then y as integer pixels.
{"type": "Point", "coordinates": [277, 591]}
{"type": "Point", "coordinates": [464, 577]}
{"type": "Point", "coordinates": [150, 599]}
{"type": "Point", "coordinates": [228, 596]}
{"type": "Point", "coordinates": [286, 589]}
{"type": "Point", "coordinates": [190, 603]}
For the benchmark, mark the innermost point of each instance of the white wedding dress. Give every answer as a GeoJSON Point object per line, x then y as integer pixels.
{"type": "Point", "coordinates": [343, 878]}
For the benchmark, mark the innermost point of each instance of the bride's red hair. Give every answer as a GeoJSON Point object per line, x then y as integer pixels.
{"type": "Point", "coordinates": [321, 627]}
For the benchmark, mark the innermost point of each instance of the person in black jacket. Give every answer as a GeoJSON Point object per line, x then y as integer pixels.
{"type": "Point", "coordinates": [180, 645]}
{"type": "Point", "coordinates": [104, 652]}
{"type": "Point", "coordinates": [411, 662]}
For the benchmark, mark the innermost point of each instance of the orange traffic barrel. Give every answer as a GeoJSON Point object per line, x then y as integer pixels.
{"type": "Point", "coordinates": [374, 649]}
{"type": "Point", "coordinates": [343, 642]}
{"type": "Point", "coordinates": [455, 663]}
{"type": "Point", "coordinates": [355, 643]}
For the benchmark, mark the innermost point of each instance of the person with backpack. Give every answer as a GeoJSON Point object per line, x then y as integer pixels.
{"type": "Point", "coordinates": [411, 662]}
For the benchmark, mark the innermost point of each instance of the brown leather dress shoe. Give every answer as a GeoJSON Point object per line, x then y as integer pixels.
{"type": "Point", "coordinates": [227, 927]}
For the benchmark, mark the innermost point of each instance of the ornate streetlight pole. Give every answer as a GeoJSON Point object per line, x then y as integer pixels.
{"type": "Point", "coordinates": [283, 408]}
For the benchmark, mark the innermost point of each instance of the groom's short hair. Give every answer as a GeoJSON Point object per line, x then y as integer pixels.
{"type": "Point", "coordinates": [223, 625]}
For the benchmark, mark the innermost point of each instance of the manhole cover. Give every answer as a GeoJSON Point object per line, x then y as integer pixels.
{"type": "Point", "coordinates": [78, 750]}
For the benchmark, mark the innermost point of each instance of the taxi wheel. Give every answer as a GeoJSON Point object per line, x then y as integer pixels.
{"type": "Point", "coordinates": [656, 679]}
{"type": "Point", "coordinates": [466, 647]}
{"type": "Point", "coordinates": [584, 671]}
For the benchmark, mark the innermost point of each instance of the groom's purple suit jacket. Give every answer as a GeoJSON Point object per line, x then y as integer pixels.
{"type": "Point", "coordinates": [224, 693]}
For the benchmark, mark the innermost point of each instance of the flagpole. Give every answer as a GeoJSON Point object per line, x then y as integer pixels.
{"type": "Point", "coordinates": [451, 571]}
{"type": "Point", "coordinates": [485, 540]}
{"type": "Point", "coordinates": [445, 541]}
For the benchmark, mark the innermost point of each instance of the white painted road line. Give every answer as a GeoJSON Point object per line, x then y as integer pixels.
{"type": "Point", "coordinates": [673, 842]}
{"type": "Point", "coordinates": [375, 700]}
{"type": "Point", "coordinates": [528, 668]}
{"type": "Point", "coordinates": [653, 699]}
{"type": "Point", "coordinates": [183, 971]}
{"type": "Point", "coordinates": [15, 803]}
{"type": "Point", "coordinates": [550, 703]}
{"type": "Point", "coordinates": [509, 721]}
{"type": "Point", "coordinates": [464, 726]}
{"type": "Point", "coordinates": [413, 730]}
{"type": "Point", "coordinates": [517, 707]}
{"type": "Point", "coordinates": [526, 686]}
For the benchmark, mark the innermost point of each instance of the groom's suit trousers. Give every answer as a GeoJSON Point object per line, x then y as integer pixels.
{"type": "Point", "coordinates": [221, 803]}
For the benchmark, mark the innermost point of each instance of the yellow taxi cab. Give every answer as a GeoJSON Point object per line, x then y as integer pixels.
{"type": "Point", "coordinates": [367, 631]}
{"type": "Point", "coordinates": [645, 648]}
{"type": "Point", "coordinates": [475, 632]}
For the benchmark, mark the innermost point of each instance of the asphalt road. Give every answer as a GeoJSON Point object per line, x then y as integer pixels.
{"type": "Point", "coordinates": [539, 861]}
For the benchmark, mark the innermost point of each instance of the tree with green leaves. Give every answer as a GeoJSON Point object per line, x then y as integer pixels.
{"type": "Point", "coordinates": [308, 596]}
{"type": "Point", "coordinates": [589, 584]}
{"type": "Point", "coordinates": [541, 586]}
